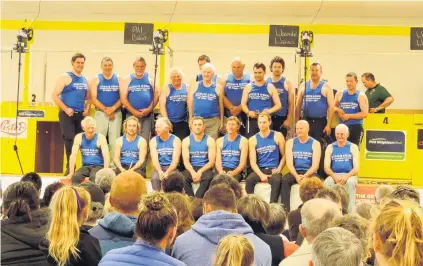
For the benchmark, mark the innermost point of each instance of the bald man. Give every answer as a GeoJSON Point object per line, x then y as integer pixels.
{"type": "Point", "coordinates": [205, 100]}
{"type": "Point", "coordinates": [233, 84]}
{"type": "Point", "coordinates": [302, 159]}
{"type": "Point", "coordinates": [342, 163]}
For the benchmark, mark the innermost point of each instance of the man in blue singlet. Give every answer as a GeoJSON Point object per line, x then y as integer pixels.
{"type": "Point", "coordinates": [139, 97]}
{"type": "Point", "coordinates": [352, 107]}
{"type": "Point", "coordinates": [205, 99]}
{"type": "Point", "coordinates": [302, 159]}
{"type": "Point", "coordinates": [233, 84]}
{"type": "Point", "coordinates": [199, 155]}
{"type": "Point", "coordinates": [232, 151]}
{"type": "Point", "coordinates": [173, 103]}
{"type": "Point", "coordinates": [70, 93]}
{"type": "Point", "coordinates": [282, 119]}
{"type": "Point", "coordinates": [315, 100]}
{"type": "Point", "coordinates": [342, 163]}
{"type": "Point", "coordinates": [165, 150]}
{"type": "Point", "coordinates": [259, 96]}
{"type": "Point", "coordinates": [202, 60]}
{"type": "Point", "coordinates": [267, 157]}
{"type": "Point", "coordinates": [105, 97]}
{"type": "Point", "coordinates": [94, 151]}
{"type": "Point", "coordinates": [130, 149]}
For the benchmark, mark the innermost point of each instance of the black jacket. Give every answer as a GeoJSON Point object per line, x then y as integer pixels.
{"type": "Point", "coordinates": [275, 242]}
{"type": "Point", "coordinates": [294, 221]}
{"type": "Point", "coordinates": [20, 239]}
{"type": "Point", "coordinates": [89, 247]}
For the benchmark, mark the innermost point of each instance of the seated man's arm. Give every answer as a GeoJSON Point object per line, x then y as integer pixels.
{"type": "Point", "coordinates": [142, 147]}
{"type": "Point", "coordinates": [252, 143]}
{"type": "Point", "coordinates": [186, 156]}
{"type": "Point", "coordinates": [72, 157]}
{"type": "Point", "coordinates": [116, 154]}
{"type": "Point", "coordinates": [219, 166]}
{"type": "Point", "coordinates": [280, 140]}
{"type": "Point", "coordinates": [244, 156]}
{"type": "Point", "coordinates": [290, 160]}
{"type": "Point", "coordinates": [104, 150]}
{"type": "Point", "coordinates": [328, 162]}
{"type": "Point", "coordinates": [211, 154]}
{"type": "Point", "coordinates": [177, 146]}
{"type": "Point", "coordinates": [155, 156]}
{"type": "Point", "coordinates": [315, 159]}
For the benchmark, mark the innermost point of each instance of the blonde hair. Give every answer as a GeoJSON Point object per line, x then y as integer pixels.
{"type": "Point", "coordinates": [400, 229]}
{"type": "Point", "coordinates": [126, 122]}
{"type": "Point", "coordinates": [254, 209]}
{"type": "Point", "coordinates": [166, 122]}
{"type": "Point", "coordinates": [234, 118]}
{"type": "Point", "coordinates": [234, 250]}
{"type": "Point", "coordinates": [183, 210]}
{"type": "Point", "coordinates": [264, 114]}
{"type": "Point", "coordinates": [66, 208]}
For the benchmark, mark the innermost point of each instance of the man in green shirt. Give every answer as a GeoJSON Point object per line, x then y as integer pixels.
{"type": "Point", "coordinates": [379, 98]}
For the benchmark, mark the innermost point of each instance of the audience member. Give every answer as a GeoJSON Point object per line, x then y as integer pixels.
{"type": "Point", "coordinates": [49, 192]}
{"type": "Point", "coordinates": [67, 243]}
{"type": "Point", "coordinates": [116, 229]}
{"type": "Point", "coordinates": [197, 245]}
{"type": "Point", "coordinates": [183, 209]}
{"type": "Point", "coordinates": [396, 234]}
{"type": "Point", "coordinates": [97, 204]}
{"type": "Point", "coordinates": [196, 207]}
{"type": "Point", "coordinates": [308, 190]}
{"type": "Point", "coordinates": [234, 250]}
{"type": "Point", "coordinates": [330, 194]}
{"type": "Point", "coordinates": [336, 246]}
{"type": "Point", "coordinates": [406, 193]}
{"type": "Point", "coordinates": [23, 225]}
{"type": "Point", "coordinates": [364, 209]}
{"type": "Point", "coordinates": [231, 182]}
{"type": "Point", "coordinates": [382, 192]}
{"type": "Point", "coordinates": [343, 194]}
{"type": "Point", "coordinates": [256, 212]}
{"type": "Point", "coordinates": [174, 182]}
{"type": "Point", "coordinates": [35, 179]}
{"type": "Point", "coordinates": [155, 230]}
{"type": "Point", "coordinates": [317, 215]}
{"type": "Point", "coordinates": [104, 179]}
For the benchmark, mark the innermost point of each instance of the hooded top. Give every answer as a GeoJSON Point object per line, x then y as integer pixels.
{"type": "Point", "coordinates": [20, 239]}
{"type": "Point", "coordinates": [116, 230]}
{"type": "Point", "coordinates": [198, 245]}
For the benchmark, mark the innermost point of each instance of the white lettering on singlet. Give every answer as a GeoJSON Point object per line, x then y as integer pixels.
{"type": "Point", "coordinates": [231, 153]}
{"type": "Point", "coordinates": [89, 152]}
{"type": "Point", "coordinates": [80, 86]}
{"type": "Point", "coordinates": [205, 96]}
{"type": "Point", "coordinates": [236, 86]}
{"type": "Point", "coordinates": [133, 154]}
{"type": "Point", "coordinates": [302, 154]}
{"type": "Point", "coordinates": [109, 88]}
{"type": "Point", "coordinates": [198, 154]}
{"type": "Point", "coordinates": [139, 88]}
{"type": "Point", "coordinates": [266, 149]}
{"type": "Point", "coordinates": [259, 96]}
{"type": "Point", "coordinates": [165, 151]}
{"type": "Point", "coordinates": [341, 157]}
{"type": "Point", "coordinates": [348, 105]}
{"type": "Point", "coordinates": [178, 98]}
{"type": "Point", "coordinates": [312, 98]}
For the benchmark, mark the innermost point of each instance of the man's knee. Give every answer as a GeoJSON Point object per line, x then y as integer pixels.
{"type": "Point", "coordinates": [351, 182]}
{"type": "Point", "coordinates": [329, 181]}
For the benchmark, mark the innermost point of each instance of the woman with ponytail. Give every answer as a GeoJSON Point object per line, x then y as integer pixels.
{"type": "Point", "coordinates": [155, 230]}
{"type": "Point", "coordinates": [234, 250]}
{"type": "Point", "coordinates": [67, 243]}
{"type": "Point", "coordinates": [24, 224]}
{"type": "Point", "coordinates": [397, 234]}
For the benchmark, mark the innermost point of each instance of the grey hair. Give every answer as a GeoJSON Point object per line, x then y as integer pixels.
{"type": "Point", "coordinates": [383, 191]}
{"type": "Point", "coordinates": [88, 120]}
{"type": "Point", "coordinates": [176, 70]}
{"type": "Point", "coordinates": [277, 219]}
{"type": "Point", "coordinates": [165, 121]}
{"type": "Point", "coordinates": [104, 179]}
{"type": "Point", "coordinates": [317, 215]}
{"type": "Point", "coordinates": [96, 212]}
{"type": "Point", "coordinates": [237, 59]}
{"type": "Point", "coordinates": [208, 66]}
{"type": "Point", "coordinates": [336, 246]}
{"type": "Point", "coordinates": [342, 126]}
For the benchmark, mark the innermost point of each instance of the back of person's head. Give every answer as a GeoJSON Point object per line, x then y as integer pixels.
{"type": "Point", "coordinates": [183, 209]}
{"type": "Point", "coordinates": [329, 194]}
{"type": "Point", "coordinates": [126, 192]}
{"type": "Point", "coordinates": [254, 209]}
{"type": "Point", "coordinates": [356, 225]}
{"type": "Point", "coordinates": [343, 194]}
{"type": "Point", "coordinates": [230, 181]}
{"type": "Point", "coordinates": [234, 250]}
{"type": "Point", "coordinates": [364, 209]}
{"type": "Point", "coordinates": [196, 207]}
{"type": "Point", "coordinates": [406, 193]}
{"type": "Point", "coordinates": [317, 215]}
{"type": "Point", "coordinates": [336, 246]}
{"type": "Point", "coordinates": [49, 192]}
{"type": "Point", "coordinates": [219, 198]}
{"type": "Point", "coordinates": [34, 178]}
{"type": "Point", "coordinates": [69, 210]}
{"type": "Point", "coordinates": [104, 178]}
{"type": "Point", "coordinates": [309, 188]}
{"type": "Point", "coordinates": [382, 192]}
{"type": "Point", "coordinates": [97, 200]}
{"type": "Point", "coordinates": [174, 182]}
{"type": "Point", "coordinates": [157, 219]}
{"type": "Point", "coordinates": [277, 219]}
{"type": "Point", "coordinates": [19, 200]}
{"type": "Point", "coordinates": [397, 233]}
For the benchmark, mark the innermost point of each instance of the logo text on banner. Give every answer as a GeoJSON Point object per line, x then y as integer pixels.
{"type": "Point", "coordinates": [387, 145]}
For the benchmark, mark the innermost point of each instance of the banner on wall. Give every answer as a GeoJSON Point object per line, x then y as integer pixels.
{"type": "Point", "coordinates": [386, 145]}
{"type": "Point", "coordinates": [365, 194]}
{"type": "Point", "coordinates": [9, 129]}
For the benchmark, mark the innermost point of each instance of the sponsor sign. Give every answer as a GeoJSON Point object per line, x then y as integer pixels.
{"type": "Point", "coordinates": [9, 129]}
{"type": "Point", "coordinates": [386, 145]}
{"type": "Point", "coordinates": [31, 113]}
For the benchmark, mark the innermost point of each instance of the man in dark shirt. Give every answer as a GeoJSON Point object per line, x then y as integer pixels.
{"type": "Point", "coordinates": [379, 98]}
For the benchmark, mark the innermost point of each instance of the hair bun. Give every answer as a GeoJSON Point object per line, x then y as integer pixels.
{"type": "Point", "coordinates": [154, 203]}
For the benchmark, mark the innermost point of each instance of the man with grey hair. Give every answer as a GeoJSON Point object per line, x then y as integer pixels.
{"type": "Point", "coordinates": [342, 163]}
{"type": "Point", "coordinates": [317, 215]}
{"type": "Point", "coordinates": [165, 150]}
{"type": "Point", "coordinates": [233, 84]}
{"type": "Point", "coordinates": [94, 151]}
{"type": "Point", "coordinates": [105, 97]}
{"type": "Point", "coordinates": [202, 60]}
{"type": "Point", "coordinates": [173, 103]}
{"type": "Point", "coordinates": [336, 246]}
{"type": "Point", "coordinates": [205, 99]}
{"type": "Point", "coordinates": [352, 106]}
{"type": "Point", "coordinates": [382, 192]}
{"type": "Point", "coordinates": [104, 179]}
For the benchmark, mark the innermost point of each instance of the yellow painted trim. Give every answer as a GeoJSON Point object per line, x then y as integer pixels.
{"type": "Point", "coordinates": [26, 76]}
{"type": "Point", "coordinates": [210, 28]}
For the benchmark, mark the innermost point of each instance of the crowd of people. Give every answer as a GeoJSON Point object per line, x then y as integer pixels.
{"type": "Point", "coordinates": [115, 220]}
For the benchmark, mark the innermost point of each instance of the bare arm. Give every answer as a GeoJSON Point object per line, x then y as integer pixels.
{"type": "Point", "coordinates": [185, 155]}
{"type": "Point", "coordinates": [315, 160]}
{"type": "Point", "coordinates": [211, 154]}
{"type": "Point", "coordinates": [123, 92]}
{"type": "Point", "coordinates": [290, 158]}
{"type": "Point", "coordinates": [291, 100]}
{"type": "Point", "coordinates": [175, 156]}
{"type": "Point", "coordinates": [93, 88]}
{"type": "Point", "coordinates": [388, 101]}
{"type": "Point", "coordinates": [154, 155]}
{"type": "Point", "coordinates": [244, 99]}
{"type": "Point", "coordinates": [275, 97]}
{"type": "Point", "coordinates": [118, 102]}
{"type": "Point", "coordinates": [328, 161]}
{"type": "Point", "coordinates": [221, 107]}
{"type": "Point", "coordinates": [364, 108]}
{"type": "Point", "coordinates": [61, 82]}
{"type": "Point", "coordinates": [243, 158]}
{"type": "Point", "coordinates": [252, 143]}
{"type": "Point", "coordinates": [356, 160]}
{"type": "Point", "coordinates": [299, 104]}
{"type": "Point", "coordinates": [163, 99]}
{"type": "Point", "coordinates": [219, 166]}
{"type": "Point", "coordinates": [190, 99]}
{"type": "Point", "coordinates": [156, 96]}
{"type": "Point", "coordinates": [330, 100]}
{"type": "Point", "coordinates": [143, 147]}
{"type": "Point", "coordinates": [280, 140]}
{"type": "Point", "coordinates": [226, 102]}
{"type": "Point", "coordinates": [102, 143]}
{"type": "Point", "coordinates": [72, 157]}
{"type": "Point", "coordinates": [116, 154]}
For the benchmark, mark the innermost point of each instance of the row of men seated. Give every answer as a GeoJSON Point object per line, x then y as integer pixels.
{"type": "Point", "coordinates": [267, 152]}
{"type": "Point", "coordinates": [213, 98]}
